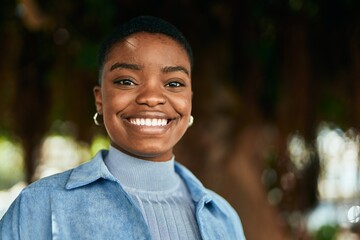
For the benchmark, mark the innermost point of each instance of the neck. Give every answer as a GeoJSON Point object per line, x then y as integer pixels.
{"type": "Point", "coordinates": [141, 174]}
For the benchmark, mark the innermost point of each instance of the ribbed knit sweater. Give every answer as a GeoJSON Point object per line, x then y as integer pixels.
{"type": "Point", "coordinates": [159, 192]}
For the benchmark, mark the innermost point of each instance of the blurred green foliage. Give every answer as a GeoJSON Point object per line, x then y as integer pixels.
{"type": "Point", "coordinates": [11, 163]}
{"type": "Point", "coordinates": [327, 232]}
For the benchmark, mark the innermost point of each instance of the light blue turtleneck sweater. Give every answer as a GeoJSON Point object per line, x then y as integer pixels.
{"type": "Point", "coordinates": [159, 192]}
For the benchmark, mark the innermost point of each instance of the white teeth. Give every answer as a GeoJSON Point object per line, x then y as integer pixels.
{"type": "Point", "coordinates": [148, 122]}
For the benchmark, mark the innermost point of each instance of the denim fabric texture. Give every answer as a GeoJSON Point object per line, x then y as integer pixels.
{"type": "Point", "coordinates": [88, 202]}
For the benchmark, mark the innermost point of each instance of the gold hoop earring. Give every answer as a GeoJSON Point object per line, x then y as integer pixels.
{"type": "Point", "coordinates": [97, 123]}
{"type": "Point", "coordinates": [191, 121]}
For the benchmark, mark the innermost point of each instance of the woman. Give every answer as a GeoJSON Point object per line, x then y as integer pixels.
{"type": "Point", "coordinates": [135, 190]}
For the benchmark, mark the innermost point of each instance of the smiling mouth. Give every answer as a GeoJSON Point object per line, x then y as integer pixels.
{"type": "Point", "coordinates": [150, 122]}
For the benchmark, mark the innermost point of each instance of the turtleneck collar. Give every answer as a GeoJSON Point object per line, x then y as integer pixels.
{"type": "Point", "coordinates": [142, 174]}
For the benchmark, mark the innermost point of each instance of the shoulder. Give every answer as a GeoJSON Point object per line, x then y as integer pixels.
{"type": "Point", "coordinates": [56, 181]}
{"type": "Point", "coordinates": [223, 204]}
{"type": "Point", "coordinates": [81, 175]}
{"type": "Point", "coordinates": [39, 192]}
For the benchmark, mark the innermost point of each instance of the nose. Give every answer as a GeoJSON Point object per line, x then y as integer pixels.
{"type": "Point", "coordinates": [151, 95]}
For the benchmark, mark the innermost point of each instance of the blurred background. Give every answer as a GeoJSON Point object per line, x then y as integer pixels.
{"type": "Point", "coordinates": [276, 103]}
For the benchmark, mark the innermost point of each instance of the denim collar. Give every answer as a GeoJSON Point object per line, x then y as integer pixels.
{"type": "Point", "coordinates": [89, 172]}
{"type": "Point", "coordinates": [95, 169]}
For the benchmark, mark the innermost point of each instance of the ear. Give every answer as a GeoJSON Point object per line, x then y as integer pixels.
{"type": "Point", "coordinates": [98, 99]}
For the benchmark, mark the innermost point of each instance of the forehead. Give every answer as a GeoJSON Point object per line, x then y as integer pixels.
{"type": "Point", "coordinates": [143, 37]}
{"type": "Point", "coordinates": [154, 43]}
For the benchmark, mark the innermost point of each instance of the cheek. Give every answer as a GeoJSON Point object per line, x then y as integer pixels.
{"type": "Point", "coordinates": [113, 101]}
{"type": "Point", "coordinates": [182, 105]}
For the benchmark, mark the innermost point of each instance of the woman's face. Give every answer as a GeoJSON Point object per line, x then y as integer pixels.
{"type": "Point", "coordinates": [145, 96]}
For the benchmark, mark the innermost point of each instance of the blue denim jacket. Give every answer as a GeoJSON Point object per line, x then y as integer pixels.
{"type": "Point", "coordinates": [89, 203]}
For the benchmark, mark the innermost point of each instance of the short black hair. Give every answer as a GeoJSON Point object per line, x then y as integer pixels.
{"type": "Point", "coordinates": [149, 24]}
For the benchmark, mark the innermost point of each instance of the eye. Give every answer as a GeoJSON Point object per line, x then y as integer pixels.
{"type": "Point", "coordinates": [125, 82]}
{"type": "Point", "coordinates": [175, 84]}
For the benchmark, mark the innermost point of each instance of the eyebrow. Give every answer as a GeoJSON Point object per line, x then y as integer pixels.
{"type": "Point", "coordinates": [125, 66]}
{"type": "Point", "coordinates": [170, 69]}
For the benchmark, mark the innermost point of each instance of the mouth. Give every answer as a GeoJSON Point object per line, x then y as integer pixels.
{"type": "Point", "coordinates": [149, 122]}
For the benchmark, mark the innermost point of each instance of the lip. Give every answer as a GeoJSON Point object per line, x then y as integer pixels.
{"type": "Point", "coordinates": [148, 114]}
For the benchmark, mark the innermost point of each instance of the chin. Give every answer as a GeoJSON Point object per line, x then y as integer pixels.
{"type": "Point", "coordinates": [152, 154]}
{"type": "Point", "coordinates": [143, 150]}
